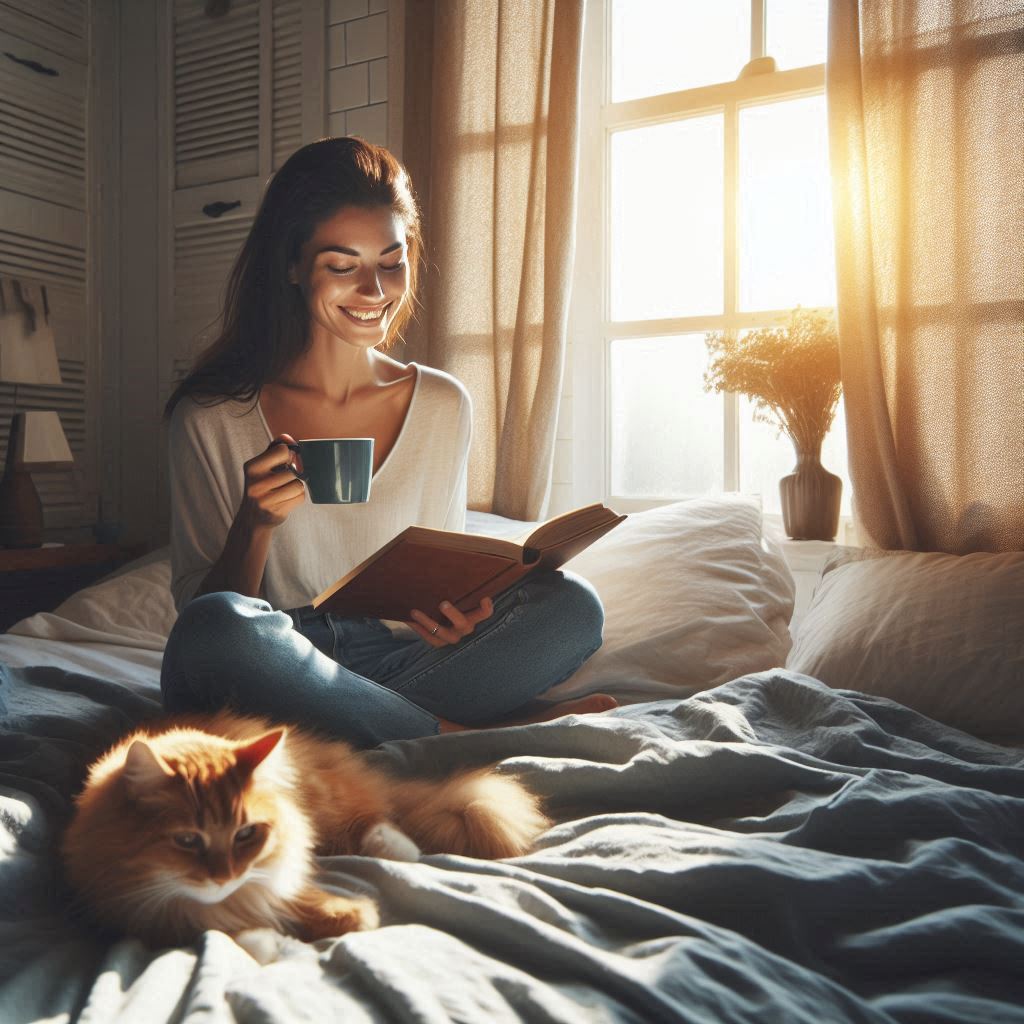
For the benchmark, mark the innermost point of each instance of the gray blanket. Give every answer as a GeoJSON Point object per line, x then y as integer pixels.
{"type": "Point", "coordinates": [770, 850]}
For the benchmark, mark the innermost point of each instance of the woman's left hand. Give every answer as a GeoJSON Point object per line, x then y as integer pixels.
{"type": "Point", "coordinates": [460, 624]}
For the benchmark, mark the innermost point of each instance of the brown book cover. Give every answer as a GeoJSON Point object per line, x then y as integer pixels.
{"type": "Point", "coordinates": [421, 567]}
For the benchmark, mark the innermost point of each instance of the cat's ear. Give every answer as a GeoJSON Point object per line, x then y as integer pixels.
{"type": "Point", "coordinates": [255, 752]}
{"type": "Point", "coordinates": [143, 769]}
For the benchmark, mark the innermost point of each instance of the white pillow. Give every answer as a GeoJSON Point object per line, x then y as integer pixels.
{"type": "Point", "coordinates": [132, 608]}
{"type": "Point", "coordinates": [693, 596]}
{"type": "Point", "coordinates": [942, 634]}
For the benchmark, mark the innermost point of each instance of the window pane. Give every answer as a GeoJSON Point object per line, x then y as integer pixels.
{"type": "Point", "coordinates": [785, 215]}
{"type": "Point", "coordinates": [765, 458]}
{"type": "Point", "coordinates": [661, 46]}
{"type": "Point", "coordinates": [797, 32]}
{"type": "Point", "coordinates": [666, 431]}
{"type": "Point", "coordinates": [666, 219]}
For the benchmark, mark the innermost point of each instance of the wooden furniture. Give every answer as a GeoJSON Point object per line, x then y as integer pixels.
{"type": "Point", "coordinates": [38, 579]}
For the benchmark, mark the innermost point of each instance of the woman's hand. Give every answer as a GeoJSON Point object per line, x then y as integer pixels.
{"type": "Point", "coordinates": [459, 624]}
{"type": "Point", "coordinates": [272, 491]}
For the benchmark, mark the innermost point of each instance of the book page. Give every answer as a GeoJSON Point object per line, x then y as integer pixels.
{"type": "Point", "coordinates": [566, 527]}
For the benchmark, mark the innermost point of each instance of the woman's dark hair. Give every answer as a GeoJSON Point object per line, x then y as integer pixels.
{"type": "Point", "coordinates": [265, 323]}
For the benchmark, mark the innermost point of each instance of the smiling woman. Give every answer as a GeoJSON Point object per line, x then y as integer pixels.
{"type": "Point", "coordinates": [321, 289]}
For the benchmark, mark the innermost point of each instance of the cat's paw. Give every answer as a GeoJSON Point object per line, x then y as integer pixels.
{"type": "Point", "coordinates": [385, 841]}
{"type": "Point", "coordinates": [337, 915]}
{"type": "Point", "coordinates": [265, 945]}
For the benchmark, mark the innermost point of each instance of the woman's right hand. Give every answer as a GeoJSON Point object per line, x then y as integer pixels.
{"type": "Point", "coordinates": [272, 491]}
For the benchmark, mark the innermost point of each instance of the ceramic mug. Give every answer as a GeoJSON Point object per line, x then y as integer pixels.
{"type": "Point", "coordinates": [336, 470]}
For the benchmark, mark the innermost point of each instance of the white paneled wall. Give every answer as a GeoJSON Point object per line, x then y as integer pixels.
{"type": "Point", "coordinates": [357, 63]}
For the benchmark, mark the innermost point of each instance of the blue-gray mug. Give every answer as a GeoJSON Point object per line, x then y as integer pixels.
{"type": "Point", "coordinates": [336, 470]}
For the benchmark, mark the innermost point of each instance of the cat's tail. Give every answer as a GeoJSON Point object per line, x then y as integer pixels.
{"type": "Point", "coordinates": [475, 814]}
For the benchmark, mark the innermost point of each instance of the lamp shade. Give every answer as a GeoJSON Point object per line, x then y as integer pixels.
{"type": "Point", "coordinates": [37, 441]}
{"type": "Point", "coordinates": [28, 354]}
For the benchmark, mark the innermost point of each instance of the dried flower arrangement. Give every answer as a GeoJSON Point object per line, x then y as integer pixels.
{"type": "Point", "coordinates": [791, 373]}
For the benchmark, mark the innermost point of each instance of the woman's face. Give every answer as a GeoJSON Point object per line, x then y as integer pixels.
{"type": "Point", "coordinates": [354, 273]}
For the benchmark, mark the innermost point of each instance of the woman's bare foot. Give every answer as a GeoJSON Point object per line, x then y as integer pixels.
{"type": "Point", "coordinates": [542, 711]}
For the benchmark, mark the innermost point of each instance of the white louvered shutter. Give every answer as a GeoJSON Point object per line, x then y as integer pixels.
{"type": "Point", "coordinates": [210, 225]}
{"type": "Point", "coordinates": [286, 126]}
{"type": "Point", "coordinates": [216, 92]}
{"type": "Point", "coordinates": [42, 122]}
{"type": "Point", "coordinates": [239, 97]}
{"type": "Point", "coordinates": [60, 24]}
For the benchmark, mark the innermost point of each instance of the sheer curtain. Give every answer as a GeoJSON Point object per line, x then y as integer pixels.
{"type": "Point", "coordinates": [490, 137]}
{"type": "Point", "coordinates": [926, 136]}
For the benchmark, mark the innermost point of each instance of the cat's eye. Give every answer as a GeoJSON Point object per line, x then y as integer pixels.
{"type": "Point", "coordinates": [188, 840]}
{"type": "Point", "coordinates": [245, 833]}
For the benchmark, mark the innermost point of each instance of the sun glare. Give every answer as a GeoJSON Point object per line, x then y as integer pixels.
{"type": "Point", "coordinates": [667, 220]}
{"type": "Point", "coordinates": [796, 32]}
{"type": "Point", "coordinates": [785, 206]}
{"type": "Point", "coordinates": [696, 44]}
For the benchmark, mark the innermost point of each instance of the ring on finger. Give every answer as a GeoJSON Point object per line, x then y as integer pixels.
{"type": "Point", "coordinates": [433, 632]}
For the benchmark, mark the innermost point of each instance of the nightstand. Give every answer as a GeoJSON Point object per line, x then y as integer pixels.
{"type": "Point", "coordinates": [38, 579]}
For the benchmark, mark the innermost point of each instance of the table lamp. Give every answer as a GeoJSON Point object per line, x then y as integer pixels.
{"type": "Point", "coordinates": [36, 440]}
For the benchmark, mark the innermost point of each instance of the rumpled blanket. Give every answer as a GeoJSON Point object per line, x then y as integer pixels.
{"type": "Point", "coordinates": [769, 850]}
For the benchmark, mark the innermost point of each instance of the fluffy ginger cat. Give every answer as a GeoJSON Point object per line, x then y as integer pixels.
{"type": "Point", "coordinates": [212, 822]}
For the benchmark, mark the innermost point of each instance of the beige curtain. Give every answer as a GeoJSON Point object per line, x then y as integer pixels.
{"type": "Point", "coordinates": [925, 101]}
{"type": "Point", "coordinates": [490, 137]}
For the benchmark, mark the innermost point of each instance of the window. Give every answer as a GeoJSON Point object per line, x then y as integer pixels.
{"type": "Point", "coordinates": [704, 205]}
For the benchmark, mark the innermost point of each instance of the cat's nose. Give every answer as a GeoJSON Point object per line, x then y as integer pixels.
{"type": "Point", "coordinates": [219, 867]}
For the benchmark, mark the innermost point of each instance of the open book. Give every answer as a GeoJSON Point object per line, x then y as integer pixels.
{"type": "Point", "coordinates": [420, 567]}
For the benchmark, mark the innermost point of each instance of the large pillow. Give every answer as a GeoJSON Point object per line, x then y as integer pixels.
{"type": "Point", "coordinates": [693, 596]}
{"type": "Point", "coordinates": [132, 607]}
{"type": "Point", "coordinates": [942, 634]}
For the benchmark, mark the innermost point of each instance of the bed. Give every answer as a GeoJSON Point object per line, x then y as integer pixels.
{"type": "Point", "coordinates": [823, 827]}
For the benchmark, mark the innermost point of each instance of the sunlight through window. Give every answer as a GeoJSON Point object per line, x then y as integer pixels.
{"type": "Point", "coordinates": [797, 32]}
{"type": "Point", "coordinates": [666, 223]}
{"type": "Point", "coordinates": [661, 46]}
{"type": "Point", "coordinates": [785, 206]}
{"type": "Point", "coordinates": [718, 214]}
{"type": "Point", "coordinates": [657, 395]}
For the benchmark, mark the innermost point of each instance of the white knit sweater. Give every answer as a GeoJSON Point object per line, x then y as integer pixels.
{"type": "Point", "coordinates": [422, 482]}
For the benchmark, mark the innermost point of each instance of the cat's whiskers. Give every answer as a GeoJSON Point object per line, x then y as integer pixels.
{"type": "Point", "coordinates": [154, 895]}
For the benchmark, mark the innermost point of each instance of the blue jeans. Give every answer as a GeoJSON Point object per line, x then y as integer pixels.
{"type": "Point", "coordinates": [358, 681]}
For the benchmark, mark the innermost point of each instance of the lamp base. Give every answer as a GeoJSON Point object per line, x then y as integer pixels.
{"type": "Point", "coordinates": [21, 511]}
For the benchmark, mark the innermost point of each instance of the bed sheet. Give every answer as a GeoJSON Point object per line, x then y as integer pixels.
{"type": "Point", "coordinates": [769, 850]}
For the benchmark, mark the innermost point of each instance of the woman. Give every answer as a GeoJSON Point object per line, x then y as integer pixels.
{"type": "Point", "coordinates": [324, 283]}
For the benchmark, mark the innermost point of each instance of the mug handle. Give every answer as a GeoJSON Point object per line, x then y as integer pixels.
{"type": "Point", "coordinates": [288, 466]}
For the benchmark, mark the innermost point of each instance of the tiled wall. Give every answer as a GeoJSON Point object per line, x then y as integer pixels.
{"type": "Point", "coordinates": [357, 75]}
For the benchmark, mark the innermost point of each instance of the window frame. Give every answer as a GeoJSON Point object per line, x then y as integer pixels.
{"type": "Point", "coordinates": [591, 329]}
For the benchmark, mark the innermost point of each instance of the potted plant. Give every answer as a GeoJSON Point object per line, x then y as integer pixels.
{"type": "Point", "coordinates": [792, 375]}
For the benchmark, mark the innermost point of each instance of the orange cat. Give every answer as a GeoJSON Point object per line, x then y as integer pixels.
{"type": "Point", "coordinates": [212, 821]}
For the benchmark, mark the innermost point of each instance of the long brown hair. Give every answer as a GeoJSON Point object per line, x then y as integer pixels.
{"type": "Point", "coordinates": [265, 323]}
